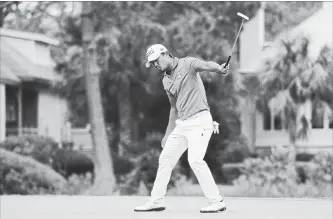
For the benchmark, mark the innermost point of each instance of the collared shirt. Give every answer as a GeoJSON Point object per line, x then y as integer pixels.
{"type": "Point", "coordinates": [185, 84]}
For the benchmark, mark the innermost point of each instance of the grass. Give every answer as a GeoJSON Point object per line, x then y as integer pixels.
{"type": "Point", "coordinates": [180, 207]}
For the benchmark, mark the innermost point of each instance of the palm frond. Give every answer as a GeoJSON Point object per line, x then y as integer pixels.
{"type": "Point", "coordinates": [278, 103]}
{"type": "Point", "coordinates": [318, 77]}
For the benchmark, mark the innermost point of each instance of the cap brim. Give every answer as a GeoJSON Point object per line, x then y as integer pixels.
{"type": "Point", "coordinates": [151, 58]}
{"type": "Point", "coordinates": [148, 64]}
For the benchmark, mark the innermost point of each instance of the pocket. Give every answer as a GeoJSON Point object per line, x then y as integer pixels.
{"type": "Point", "coordinates": [207, 131]}
{"type": "Point", "coordinates": [207, 124]}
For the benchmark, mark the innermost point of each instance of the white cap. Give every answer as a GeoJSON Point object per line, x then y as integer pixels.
{"type": "Point", "coordinates": [153, 52]}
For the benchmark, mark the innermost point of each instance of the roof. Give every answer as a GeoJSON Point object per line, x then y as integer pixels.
{"type": "Point", "coordinates": [6, 76]}
{"type": "Point", "coordinates": [16, 68]}
{"type": "Point", "coordinates": [268, 52]}
{"type": "Point", "coordinates": [28, 36]}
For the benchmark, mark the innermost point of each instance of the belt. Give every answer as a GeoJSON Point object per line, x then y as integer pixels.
{"type": "Point", "coordinates": [201, 112]}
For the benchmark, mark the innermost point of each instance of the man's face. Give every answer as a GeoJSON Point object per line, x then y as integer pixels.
{"type": "Point", "coordinates": [161, 63]}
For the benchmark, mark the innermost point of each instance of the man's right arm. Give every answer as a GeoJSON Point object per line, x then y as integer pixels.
{"type": "Point", "coordinates": [200, 66]}
{"type": "Point", "coordinates": [173, 116]}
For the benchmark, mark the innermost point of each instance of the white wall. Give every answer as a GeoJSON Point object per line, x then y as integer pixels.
{"type": "Point", "coordinates": [252, 40]}
{"type": "Point", "coordinates": [2, 112]}
{"type": "Point", "coordinates": [43, 55]}
{"type": "Point", "coordinates": [52, 111]}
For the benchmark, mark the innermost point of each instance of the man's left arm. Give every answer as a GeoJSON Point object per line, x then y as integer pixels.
{"type": "Point", "coordinates": [199, 66]}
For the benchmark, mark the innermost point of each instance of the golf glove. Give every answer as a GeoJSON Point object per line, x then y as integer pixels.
{"type": "Point", "coordinates": [225, 70]}
{"type": "Point", "coordinates": [215, 127]}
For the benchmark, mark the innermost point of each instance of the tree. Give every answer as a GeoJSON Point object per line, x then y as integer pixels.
{"type": "Point", "coordinates": [293, 84]}
{"type": "Point", "coordinates": [104, 175]}
{"type": "Point", "coordinates": [6, 8]}
{"type": "Point", "coordinates": [45, 17]}
{"type": "Point", "coordinates": [249, 88]}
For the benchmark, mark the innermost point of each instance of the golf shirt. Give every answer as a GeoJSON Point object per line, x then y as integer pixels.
{"type": "Point", "coordinates": [185, 84]}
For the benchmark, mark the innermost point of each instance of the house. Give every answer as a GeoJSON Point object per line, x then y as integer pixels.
{"type": "Point", "coordinates": [27, 104]}
{"type": "Point", "coordinates": [263, 129]}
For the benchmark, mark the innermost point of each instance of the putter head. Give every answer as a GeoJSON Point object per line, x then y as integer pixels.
{"type": "Point", "coordinates": [242, 16]}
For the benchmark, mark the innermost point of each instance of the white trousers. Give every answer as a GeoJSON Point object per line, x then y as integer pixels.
{"type": "Point", "coordinates": [192, 134]}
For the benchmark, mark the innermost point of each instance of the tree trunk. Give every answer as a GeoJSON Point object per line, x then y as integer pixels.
{"type": "Point", "coordinates": [105, 178]}
{"type": "Point", "coordinates": [41, 172]}
{"type": "Point", "coordinates": [125, 115]}
{"type": "Point", "coordinates": [2, 17]}
{"type": "Point", "coordinates": [248, 122]}
{"type": "Point", "coordinates": [304, 117]}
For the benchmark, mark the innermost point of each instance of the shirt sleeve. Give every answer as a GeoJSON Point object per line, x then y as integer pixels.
{"type": "Point", "coordinates": [194, 63]}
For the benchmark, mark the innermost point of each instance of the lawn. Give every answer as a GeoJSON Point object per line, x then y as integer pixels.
{"type": "Point", "coordinates": [181, 207]}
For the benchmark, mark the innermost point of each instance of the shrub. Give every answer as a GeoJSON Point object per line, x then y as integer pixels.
{"type": "Point", "coordinates": [302, 173]}
{"type": "Point", "coordinates": [46, 151]}
{"type": "Point", "coordinates": [304, 157]}
{"type": "Point", "coordinates": [144, 171]}
{"type": "Point", "coordinates": [236, 151]}
{"type": "Point", "coordinates": [231, 172]}
{"type": "Point", "coordinates": [38, 147]}
{"type": "Point", "coordinates": [181, 186]}
{"type": "Point", "coordinates": [24, 175]}
{"type": "Point", "coordinates": [79, 184]}
{"type": "Point", "coordinates": [320, 169]}
{"type": "Point", "coordinates": [276, 176]}
{"type": "Point", "coordinates": [14, 181]}
{"type": "Point", "coordinates": [122, 165]}
{"type": "Point", "coordinates": [68, 162]}
{"type": "Point", "coordinates": [139, 164]}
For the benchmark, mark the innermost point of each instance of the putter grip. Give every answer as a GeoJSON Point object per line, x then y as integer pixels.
{"type": "Point", "coordinates": [227, 62]}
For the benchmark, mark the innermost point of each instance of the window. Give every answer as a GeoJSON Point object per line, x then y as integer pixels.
{"type": "Point", "coordinates": [11, 104]}
{"type": "Point", "coordinates": [11, 113]}
{"type": "Point", "coordinates": [278, 122]}
{"type": "Point", "coordinates": [273, 122]}
{"type": "Point", "coordinates": [267, 120]}
{"type": "Point", "coordinates": [318, 116]}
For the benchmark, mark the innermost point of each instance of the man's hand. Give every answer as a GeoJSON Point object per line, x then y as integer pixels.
{"type": "Point", "coordinates": [224, 70]}
{"type": "Point", "coordinates": [215, 127]}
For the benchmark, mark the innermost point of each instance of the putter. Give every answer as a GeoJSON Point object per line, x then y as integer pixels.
{"type": "Point", "coordinates": [233, 47]}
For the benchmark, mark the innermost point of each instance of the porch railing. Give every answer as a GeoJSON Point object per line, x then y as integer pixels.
{"type": "Point", "coordinates": [80, 137]}
{"type": "Point", "coordinates": [25, 131]}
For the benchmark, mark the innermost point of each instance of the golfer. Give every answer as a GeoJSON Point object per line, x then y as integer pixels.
{"type": "Point", "coordinates": [190, 125]}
